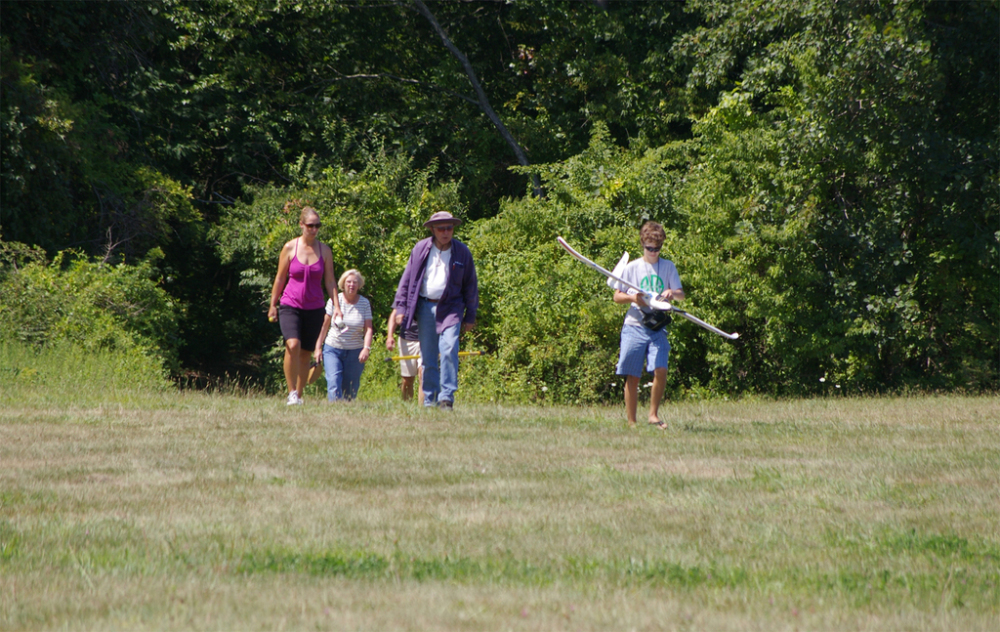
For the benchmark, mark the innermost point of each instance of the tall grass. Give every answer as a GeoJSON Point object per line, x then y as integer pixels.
{"type": "Point", "coordinates": [68, 371]}
{"type": "Point", "coordinates": [167, 510]}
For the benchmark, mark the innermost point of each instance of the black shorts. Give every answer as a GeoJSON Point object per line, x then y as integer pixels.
{"type": "Point", "coordinates": [301, 324]}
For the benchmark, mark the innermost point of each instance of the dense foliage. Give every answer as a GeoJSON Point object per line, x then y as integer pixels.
{"type": "Point", "coordinates": [549, 319]}
{"type": "Point", "coordinates": [82, 306]}
{"type": "Point", "coordinates": [827, 171]}
{"type": "Point", "coordinates": [851, 186]}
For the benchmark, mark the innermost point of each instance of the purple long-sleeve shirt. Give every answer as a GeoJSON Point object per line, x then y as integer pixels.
{"type": "Point", "coordinates": [460, 300]}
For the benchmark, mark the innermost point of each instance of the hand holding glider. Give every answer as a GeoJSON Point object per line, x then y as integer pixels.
{"type": "Point", "coordinates": [656, 302]}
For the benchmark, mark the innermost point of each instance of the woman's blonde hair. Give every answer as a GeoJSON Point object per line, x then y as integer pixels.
{"type": "Point", "coordinates": [343, 277]}
{"type": "Point", "coordinates": [306, 212]}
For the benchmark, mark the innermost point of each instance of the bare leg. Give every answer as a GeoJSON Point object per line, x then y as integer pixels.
{"type": "Point", "coordinates": [420, 376]}
{"type": "Point", "coordinates": [291, 364]}
{"type": "Point", "coordinates": [659, 385]}
{"type": "Point", "coordinates": [631, 397]}
{"type": "Point", "coordinates": [407, 388]}
{"type": "Point", "coordinates": [303, 376]}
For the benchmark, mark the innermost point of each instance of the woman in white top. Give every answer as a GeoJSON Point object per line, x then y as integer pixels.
{"type": "Point", "coordinates": [348, 342]}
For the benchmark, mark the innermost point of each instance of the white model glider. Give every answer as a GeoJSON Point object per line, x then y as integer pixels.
{"type": "Point", "coordinates": [649, 297]}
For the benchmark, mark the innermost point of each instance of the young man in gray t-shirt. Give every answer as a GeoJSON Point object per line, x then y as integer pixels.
{"type": "Point", "coordinates": [639, 344]}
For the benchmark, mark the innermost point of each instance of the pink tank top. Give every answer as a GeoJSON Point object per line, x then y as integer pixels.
{"type": "Point", "coordinates": [304, 289]}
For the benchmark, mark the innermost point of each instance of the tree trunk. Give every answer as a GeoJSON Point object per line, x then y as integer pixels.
{"type": "Point", "coordinates": [484, 102]}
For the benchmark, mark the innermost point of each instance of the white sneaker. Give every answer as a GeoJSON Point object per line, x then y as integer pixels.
{"type": "Point", "coordinates": [293, 399]}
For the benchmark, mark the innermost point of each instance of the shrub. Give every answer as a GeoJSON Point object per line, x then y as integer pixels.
{"type": "Point", "coordinates": [550, 319]}
{"type": "Point", "coordinates": [92, 306]}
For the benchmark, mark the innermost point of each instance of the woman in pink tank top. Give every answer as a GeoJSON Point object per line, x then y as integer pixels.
{"type": "Point", "coordinates": [305, 269]}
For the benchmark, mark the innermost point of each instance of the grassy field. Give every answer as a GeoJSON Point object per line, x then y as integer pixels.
{"type": "Point", "coordinates": [166, 510]}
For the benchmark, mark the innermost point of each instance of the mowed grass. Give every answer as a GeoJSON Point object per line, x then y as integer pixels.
{"type": "Point", "coordinates": [167, 510]}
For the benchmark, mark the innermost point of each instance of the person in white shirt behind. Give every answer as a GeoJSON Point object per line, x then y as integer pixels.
{"type": "Point", "coordinates": [409, 345]}
{"type": "Point", "coordinates": [346, 343]}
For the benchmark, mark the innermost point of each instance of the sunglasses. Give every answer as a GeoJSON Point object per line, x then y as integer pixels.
{"type": "Point", "coordinates": [652, 248]}
{"type": "Point", "coordinates": [444, 228]}
{"type": "Point", "coordinates": [315, 226]}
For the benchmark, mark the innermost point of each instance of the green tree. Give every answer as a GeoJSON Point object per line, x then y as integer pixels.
{"type": "Point", "coordinates": [827, 170]}
{"type": "Point", "coordinates": [259, 84]}
{"type": "Point", "coordinates": [75, 173]}
{"type": "Point", "coordinates": [848, 182]}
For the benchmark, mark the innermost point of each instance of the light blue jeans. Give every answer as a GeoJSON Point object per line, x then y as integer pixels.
{"type": "Point", "coordinates": [343, 372]}
{"type": "Point", "coordinates": [440, 378]}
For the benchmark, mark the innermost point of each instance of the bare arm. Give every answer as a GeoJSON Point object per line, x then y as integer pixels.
{"type": "Point", "coordinates": [390, 332]}
{"type": "Point", "coordinates": [367, 349]}
{"type": "Point", "coordinates": [330, 281]}
{"type": "Point", "coordinates": [280, 280]}
{"type": "Point", "coordinates": [624, 298]}
{"type": "Point", "coordinates": [318, 352]}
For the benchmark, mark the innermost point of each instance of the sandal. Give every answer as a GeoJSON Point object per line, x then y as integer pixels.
{"type": "Point", "coordinates": [662, 425]}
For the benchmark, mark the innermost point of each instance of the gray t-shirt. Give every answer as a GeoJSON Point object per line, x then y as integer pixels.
{"type": "Point", "coordinates": [651, 277]}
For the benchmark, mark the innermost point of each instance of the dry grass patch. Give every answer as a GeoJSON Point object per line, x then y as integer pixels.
{"type": "Point", "coordinates": [183, 510]}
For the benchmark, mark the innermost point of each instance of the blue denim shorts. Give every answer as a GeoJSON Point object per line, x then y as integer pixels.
{"type": "Point", "coordinates": [641, 345]}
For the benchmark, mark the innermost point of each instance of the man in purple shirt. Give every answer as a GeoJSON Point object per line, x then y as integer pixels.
{"type": "Point", "coordinates": [440, 291]}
